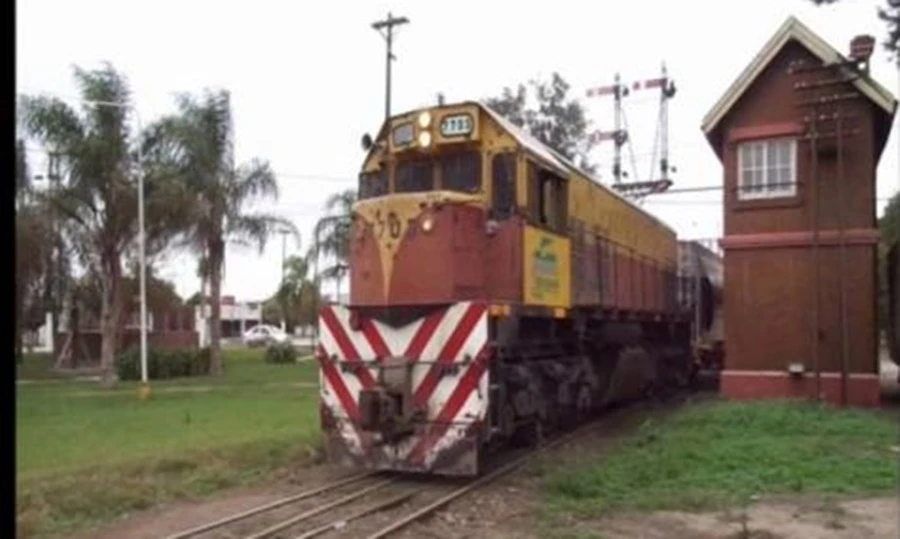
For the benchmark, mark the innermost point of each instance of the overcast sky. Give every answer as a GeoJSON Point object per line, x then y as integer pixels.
{"type": "Point", "coordinates": [307, 82]}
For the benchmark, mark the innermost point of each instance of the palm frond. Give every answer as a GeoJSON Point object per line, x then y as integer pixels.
{"type": "Point", "coordinates": [51, 121]}
{"type": "Point", "coordinates": [256, 229]}
{"type": "Point", "coordinates": [254, 180]}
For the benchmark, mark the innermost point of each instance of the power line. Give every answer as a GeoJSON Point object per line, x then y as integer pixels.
{"type": "Point", "coordinates": [338, 179]}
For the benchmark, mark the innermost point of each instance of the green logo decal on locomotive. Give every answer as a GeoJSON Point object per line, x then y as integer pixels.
{"type": "Point", "coordinates": [546, 270]}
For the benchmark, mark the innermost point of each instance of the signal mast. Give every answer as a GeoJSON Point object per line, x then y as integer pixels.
{"type": "Point", "coordinates": [620, 135]}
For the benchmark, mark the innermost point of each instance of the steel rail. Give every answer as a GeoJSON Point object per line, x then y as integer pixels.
{"type": "Point", "coordinates": [320, 509]}
{"type": "Point", "coordinates": [338, 524]}
{"type": "Point", "coordinates": [496, 474]}
{"type": "Point", "coordinates": [269, 506]}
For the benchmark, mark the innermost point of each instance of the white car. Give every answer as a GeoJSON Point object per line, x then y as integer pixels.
{"type": "Point", "coordinates": [265, 335]}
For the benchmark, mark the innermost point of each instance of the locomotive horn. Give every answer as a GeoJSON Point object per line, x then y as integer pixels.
{"type": "Point", "coordinates": [367, 142]}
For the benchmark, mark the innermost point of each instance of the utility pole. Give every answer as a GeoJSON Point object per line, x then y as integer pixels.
{"type": "Point", "coordinates": [284, 233]}
{"type": "Point", "coordinates": [389, 25]}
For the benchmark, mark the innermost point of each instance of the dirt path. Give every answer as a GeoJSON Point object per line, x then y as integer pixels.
{"type": "Point", "coordinates": [874, 518]}
{"type": "Point", "coordinates": [171, 518]}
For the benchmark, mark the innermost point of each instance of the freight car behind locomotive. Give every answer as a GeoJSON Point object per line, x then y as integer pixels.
{"type": "Point", "coordinates": [496, 292]}
{"type": "Point", "coordinates": [701, 276]}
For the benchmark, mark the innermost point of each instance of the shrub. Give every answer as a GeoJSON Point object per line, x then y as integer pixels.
{"type": "Point", "coordinates": [281, 354]}
{"type": "Point", "coordinates": [163, 364]}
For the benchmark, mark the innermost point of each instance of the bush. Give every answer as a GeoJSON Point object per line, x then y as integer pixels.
{"type": "Point", "coordinates": [163, 364]}
{"type": "Point", "coordinates": [281, 354]}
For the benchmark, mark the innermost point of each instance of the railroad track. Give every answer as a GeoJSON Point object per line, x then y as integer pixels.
{"type": "Point", "coordinates": [391, 501]}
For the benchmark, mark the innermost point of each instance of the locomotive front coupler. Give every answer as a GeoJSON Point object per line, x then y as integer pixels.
{"type": "Point", "coordinates": [387, 407]}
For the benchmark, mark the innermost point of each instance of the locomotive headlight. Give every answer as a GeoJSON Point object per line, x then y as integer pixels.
{"type": "Point", "coordinates": [424, 119]}
{"type": "Point", "coordinates": [424, 139]}
{"type": "Point", "coordinates": [427, 224]}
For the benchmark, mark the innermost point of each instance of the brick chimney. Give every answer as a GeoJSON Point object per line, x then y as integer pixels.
{"type": "Point", "coordinates": [861, 48]}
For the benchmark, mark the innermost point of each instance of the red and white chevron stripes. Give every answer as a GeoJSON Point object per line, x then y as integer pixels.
{"type": "Point", "coordinates": [454, 402]}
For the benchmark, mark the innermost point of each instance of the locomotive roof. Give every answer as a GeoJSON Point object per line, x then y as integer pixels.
{"type": "Point", "coordinates": [544, 152]}
{"type": "Point", "coordinates": [557, 160]}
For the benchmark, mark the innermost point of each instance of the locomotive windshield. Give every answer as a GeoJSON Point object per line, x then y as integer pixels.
{"type": "Point", "coordinates": [454, 171]}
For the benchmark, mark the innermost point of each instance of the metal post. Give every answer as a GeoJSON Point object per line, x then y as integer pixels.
{"type": "Point", "coordinates": [845, 338]}
{"type": "Point", "coordinates": [617, 130]}
{"type": "Point", "coordinates": [284, 234]}
{"type": "Point", "coordinates": [145, 389]}
{"type": "Point", "coordinates": [389, 24]}
{"type": "Point", "coordinates": [814, 186]}
{"type": "Point", "coordinates": [317, 289]}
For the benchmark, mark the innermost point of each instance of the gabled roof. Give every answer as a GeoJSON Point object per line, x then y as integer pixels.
{"type": "Point", "coordinates": [792, 29]}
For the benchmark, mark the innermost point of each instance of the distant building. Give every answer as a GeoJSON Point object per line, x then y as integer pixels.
{"type": "Point", "coordinates": [799, 134]}
{"type": "Point", "coordinates": [236, 317]}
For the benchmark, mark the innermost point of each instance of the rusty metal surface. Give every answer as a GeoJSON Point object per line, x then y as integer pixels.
{"type": "Point", "coordinates": [459, 458]}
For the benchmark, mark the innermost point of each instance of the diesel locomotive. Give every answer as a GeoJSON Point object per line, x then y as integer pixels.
{"type": "Point", "coordinates": [497, 293]}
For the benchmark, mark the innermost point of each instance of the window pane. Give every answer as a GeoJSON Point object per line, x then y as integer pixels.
{"type": "Point", "coordinates": [373, 184]}
{"type": "Point", "coordinates": [413, 176]}
{"type": "Point", "coordinates": [504, 185]}
{"type": "Point", "coordinates": [746, 157]}
{"type": "Point", "coordinates": [758, 156]}
{"type": "Point", "coordinates": [772, 155]}
{"type": "Point", "coordinates": [461, 172]}
{"type": "Point", "coordinates": [785, 178]}
{"type": "Point", "coordinates": [784, 153]}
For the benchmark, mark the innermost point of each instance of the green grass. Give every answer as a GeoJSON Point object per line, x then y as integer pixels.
{"type": "Point", "coordinates": [37, 366]}
{"type": "Point", "coordinates": [86, 455]}
{"type": "Point", "coordinates": [717, 454]}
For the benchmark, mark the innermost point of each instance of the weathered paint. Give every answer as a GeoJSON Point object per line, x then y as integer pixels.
{"type": "Point", "coordinates": [389, 219]}
{"type": "Point", "coordinates": [455, 400]}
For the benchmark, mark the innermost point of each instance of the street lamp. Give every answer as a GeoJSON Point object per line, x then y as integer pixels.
{"type": "Point", "coordinates": [144, 391]}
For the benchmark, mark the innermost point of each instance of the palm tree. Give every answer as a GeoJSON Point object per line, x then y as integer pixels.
{"type": "Point", "coordinates": [93, 201]}
{"type": "Point", "coordinates": [290, 294]}
{"type": "Point", "coordinates": [220, 193]}
{"type": "Point", "coordinates": [98, 199]}
{"type": "Point", "coordinates": [332, 233]}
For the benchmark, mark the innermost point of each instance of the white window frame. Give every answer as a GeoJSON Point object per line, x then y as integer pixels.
{"type": "Point", "coordinates": [767, 191]}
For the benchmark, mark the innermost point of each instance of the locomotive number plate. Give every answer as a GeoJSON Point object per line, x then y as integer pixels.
{"type": "Point", "coordinates": [457, 125]}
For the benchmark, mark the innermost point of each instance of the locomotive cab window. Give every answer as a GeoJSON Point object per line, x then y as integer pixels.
{"type": "Point", "coordinates": [372, 184]}
{"type": "Point", "coordinates": [503, 181]}
{"type": "Point", "coordinates": [546, 198]}
{"type": "Point", "coordinates": [413, 176]}
{"type": "Point", "coordinates": [461, 171]}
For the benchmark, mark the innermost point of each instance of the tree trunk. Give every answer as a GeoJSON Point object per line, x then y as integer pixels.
{"type": "Point", "coordinates": [204, 320]}
{"type": "Point", "coordinates": [216, 366]}
{"type": "Point", "coordinates": [110, 313]}
{"type": "Point", "coordinates": [19, 321]}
